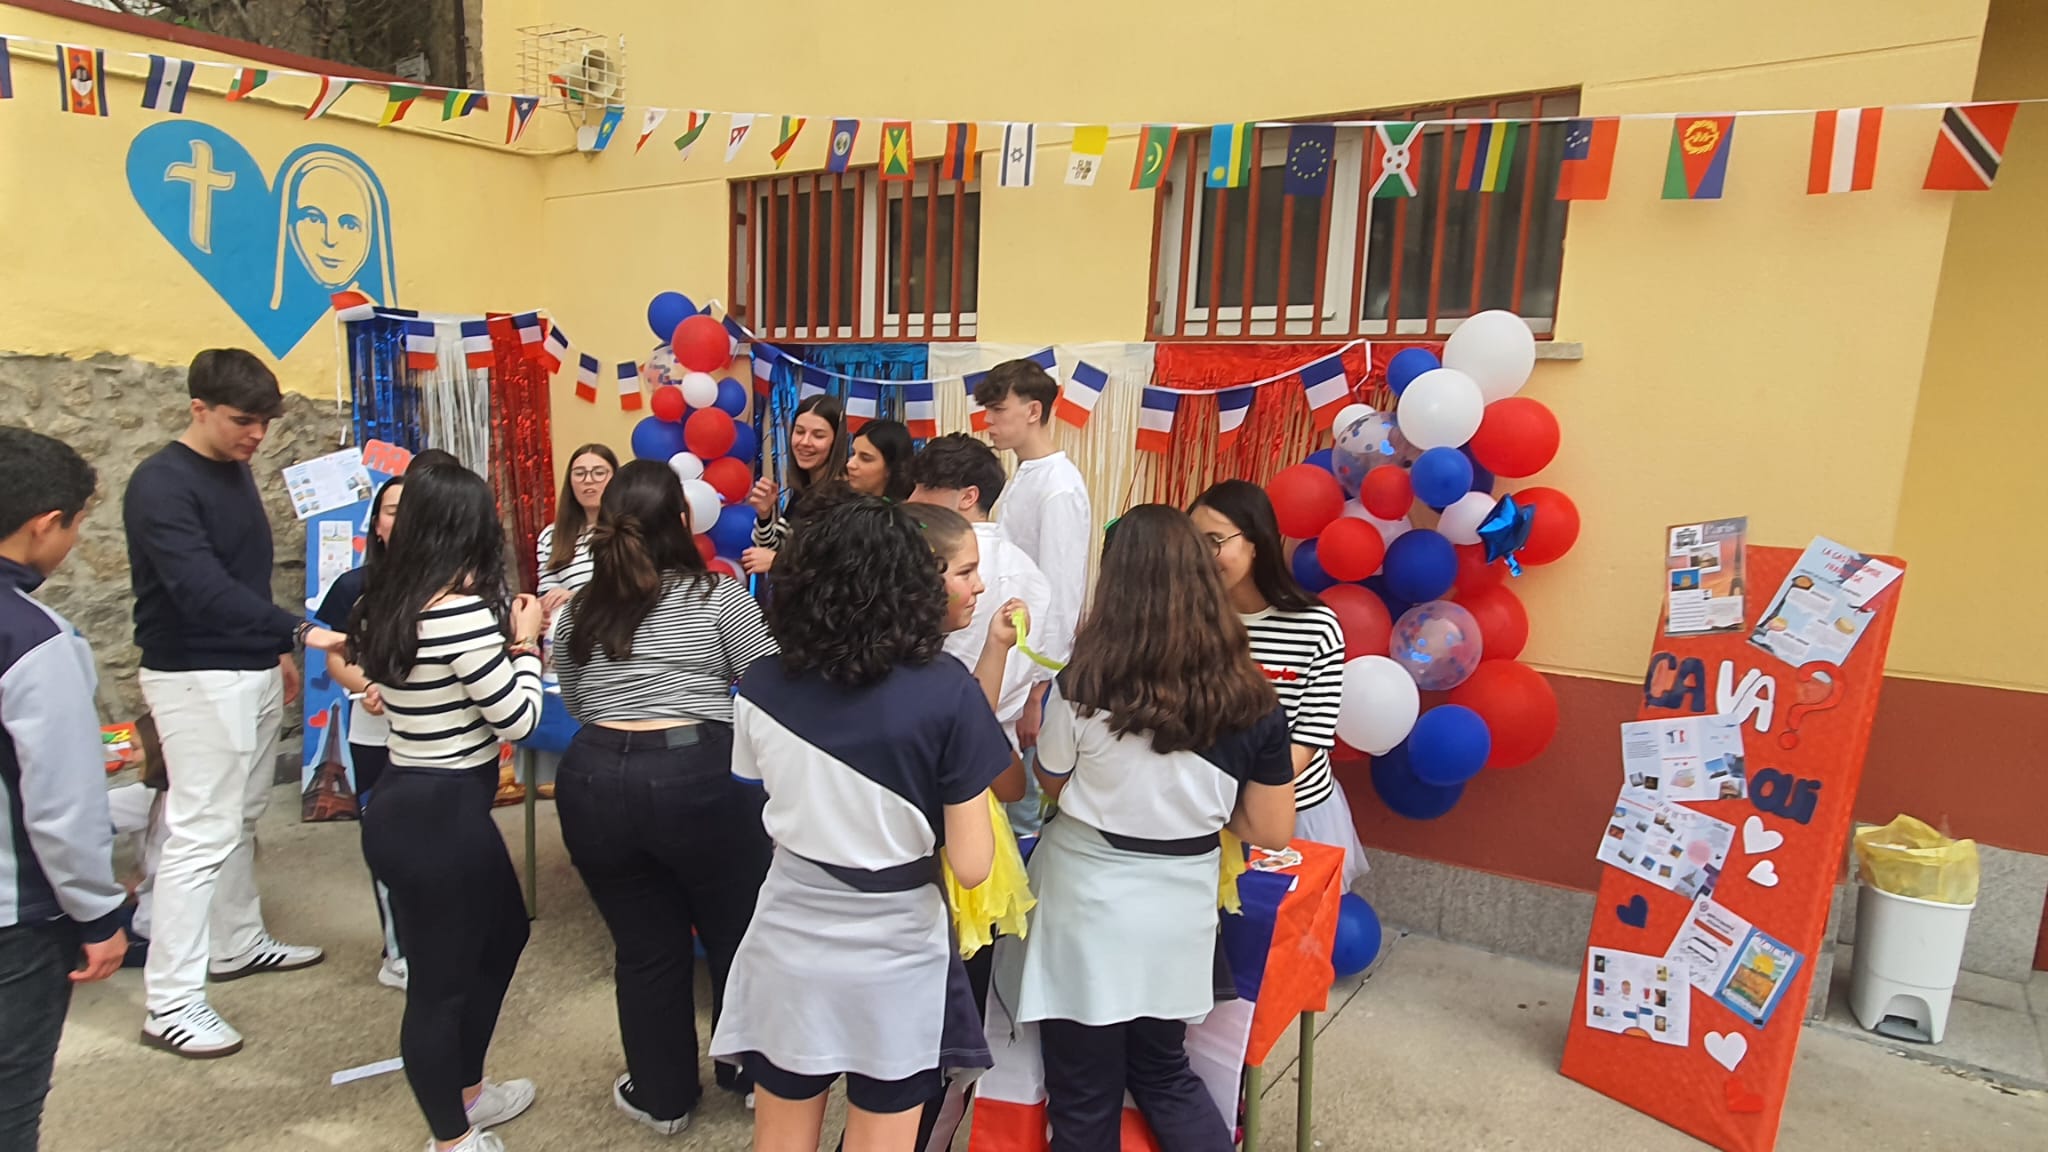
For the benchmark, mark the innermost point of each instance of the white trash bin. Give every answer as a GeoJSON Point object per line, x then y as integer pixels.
{"type": "Point", "coordinates": [1908, 952]}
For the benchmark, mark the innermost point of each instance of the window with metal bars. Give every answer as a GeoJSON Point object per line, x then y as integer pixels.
{"type": "Point", "coordinates": [1356, 265]}
{"type": "Point", "coordinates": [820, 257]}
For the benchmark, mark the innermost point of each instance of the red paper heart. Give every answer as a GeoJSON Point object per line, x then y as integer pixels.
{"type": "Point", "coordinates": [1741, 1099]}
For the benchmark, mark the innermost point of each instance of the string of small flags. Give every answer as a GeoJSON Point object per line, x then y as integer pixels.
{"type": "Point", "coordinates": [1968, 147]}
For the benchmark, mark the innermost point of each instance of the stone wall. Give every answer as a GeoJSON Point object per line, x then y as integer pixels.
{"type": "Point", "coordinates": [115, 411]}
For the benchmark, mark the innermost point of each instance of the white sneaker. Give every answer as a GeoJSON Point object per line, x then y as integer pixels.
{"type": "Point", "coordinates": [194, 1031]}
{"type": "Point", "coordinates": [391, 974]}
{"type": "Point", "coordinates": [499, 1103]}
{"type": "Point", "coordinates": [478, 1140]}
{"type": "Point", "coordinates": [269, 955]}
{"type": "Point", "coordinates": [665, 1127]}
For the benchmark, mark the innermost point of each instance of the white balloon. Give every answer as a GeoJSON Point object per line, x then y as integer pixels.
{"type": "Point", "coordinates": [704, 504]}
{"type": "Point", "coordinates": [1349, 414]}
{"type": "Point", "coordinates": [1441, 409]}
{"type": "Point", "coordinates": [686, 466]}
{"type": "Point", "coordinates": [1379, 706]}
{"type": "Point", "coordinates": [1460, 522]}
{"type": "Point", "coordinates": [700, 390]}
{"type": "Point", "coordinates": [1496, 349]}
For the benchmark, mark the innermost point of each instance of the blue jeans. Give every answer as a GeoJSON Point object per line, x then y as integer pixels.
{"type": "Point", "coordinates": [35, 992]}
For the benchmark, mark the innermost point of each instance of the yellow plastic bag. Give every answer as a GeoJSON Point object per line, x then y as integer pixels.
{"type": "Point", "coordinates": [1908, 858]}
{"type": "Point", "coordinates": [1233, 867]}
{"type": "Point", "coordinates": [999, 903]}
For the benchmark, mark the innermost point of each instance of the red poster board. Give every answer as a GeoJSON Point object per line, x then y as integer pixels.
{"type": "Point", "coordinates": [1807, 762]}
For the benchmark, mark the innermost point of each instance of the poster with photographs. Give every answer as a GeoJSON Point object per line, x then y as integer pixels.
{"type": "Point", "coordinates": [1703, 577]}
{"type": "Point", "coordinates": [1729, 959]}
{"type": "Point", "coordinates": [1669, 845]}
{"type": "Point", "coordinates": [1683, 758]}
{"type": "Point", "coordinates": [1637, 995]}
{"type": "Point", "coordinates": [1822, 609]}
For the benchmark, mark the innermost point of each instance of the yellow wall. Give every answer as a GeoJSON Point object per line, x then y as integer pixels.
{"type": "Point", "coordinates": [1976, 483]}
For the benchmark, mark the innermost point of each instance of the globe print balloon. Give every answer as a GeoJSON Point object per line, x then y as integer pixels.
{"type": "Point", "coordinates": [1365, 445]}
{"type": "Point", "coordinates": [660, 367]}
{"type": "Point", "coordinates": [1438, 643]}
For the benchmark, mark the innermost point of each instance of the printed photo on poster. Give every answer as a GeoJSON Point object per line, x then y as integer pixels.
{"type": "Point", "coordinates": [1703, 576]}
{"type": "Point", "coordinates": [1823, 607]}
{"type": "Point", "coordinates": [1637, 995]}
{"type": "Point", "coordinates": [1671, 846]}
{"type": "Point", "coordinates": [1684, 758]}
{"type": "Point", "coordinates": [1728, 958]}
{"type": "Point", "coordinates": [327, 483]}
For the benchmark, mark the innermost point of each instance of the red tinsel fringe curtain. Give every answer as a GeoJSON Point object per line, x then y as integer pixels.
{"type": "Point", "coordinates": [1278, 431]}
{"type": "Point", "coordinates": [522, 449]}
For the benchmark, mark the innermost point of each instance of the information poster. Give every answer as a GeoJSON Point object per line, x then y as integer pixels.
{"type": "Point", "coordinates": [1703, 577]}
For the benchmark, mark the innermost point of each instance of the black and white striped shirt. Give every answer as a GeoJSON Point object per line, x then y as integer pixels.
{"type": "Point", "coordinates": [464, 693]}
{"type": "Point", "coordinates": [1302, 652]}
{"type": "Point", "coordinates": [573, 575]}
{"type": "Point", "coordinates": [700, 636]}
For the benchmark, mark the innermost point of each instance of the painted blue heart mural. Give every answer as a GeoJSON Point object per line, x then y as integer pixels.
{"type": "Point", "coordinates": [274, 252]}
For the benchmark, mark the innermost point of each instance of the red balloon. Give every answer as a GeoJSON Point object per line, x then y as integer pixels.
{"type": "Point", "coordinates": [1363, 616]}
{"type": "Point", "coordinates": [668, 404]}
{"type": "Point", "coordinates": [1518, 706]}
{"type": "Point", "coordinates": [1503, 622]}
{"type": "Point", "coordinates": [1387, 492]}
{"type": "Point", "coordinates": [1517, 437]}
{"type": "Point", "coordinates": [709, 433]}
{"type": "Point", "coordinates": [731, 477]}
{"type": "Point", "coordinates": [706, 549]}
{"type": "Point", "coordinates": [1350, 548]}
{"type": "Point", "coordinates": [1305, 499]}
{"type": "Point", "coordinates": [1473, 570]}
{"type": "Point", "coordinates": [701, 345]}
{"type": "Point", "coordinates": [1342, 753]}
{"type": "Point", "coordinates": [723, 567]}
{"type": "Point", "coordinates": [1555, 527]}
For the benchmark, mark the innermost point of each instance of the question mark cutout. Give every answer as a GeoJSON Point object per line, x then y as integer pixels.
{"type": "Point", "coordinates": [1816, 687]}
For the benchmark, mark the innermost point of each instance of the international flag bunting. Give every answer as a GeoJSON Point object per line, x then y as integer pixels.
{"type": "Point", "coordinates": [1232, 405]}
{"type": "Point", "coordinates": [351, 306]}
{"type": "Point", "coordinates": [1082, 391]}
{"type": "Point", "coordinates": [649, 121]}
{"type": "Point", "coordinates": [331, 89]}
{"type": "Point", "coordinates": [1392, 162]}
{"type": "Point", "coordinates": [586, 377]}
{"type": "Point", "coordinates": [607, 125]}
{"type": "Point", "coordinates": [693, 127]}
{"type": "Point", "coordinates": [247, 80]}
{"type": "Point", "coordinates": [1020, 155]}
{"type": "Point", "coordinates": [961, 155]}
{"type": "Point", "coordinates": [529, 326]}
{"type": "Point", "coordinates": [476, 344]}
{"type": "Point", "coordinates": [1327, 388]}
{"type": "Point", "coordinates": [1844, 150]}
{"type": "Point", "coordinates": [1155, 152]}
{"type": "Point", "coordinates": [896, 157]}
{"type": "Point", "coordinates": [421, 344]}
{"type": "Point", "coordinates": [1230, 155]}
{"type": "Point", "coordinates": [1156, 409]}
{"type": "Point", "coordinates": [813, 381]}
{"type": "Point", "coordinates": [458, 103]}
{"type": "Point", "coordinates": [920, 410]}
{"type": "Point", "coordinates": [555, 349]}
{"type": "Point", "coordinates": [1084, 161]}
{"type": "Point", "coordinates": [1488, 155]}
{"type": "Point", "coordinates": [6, 71]}
{"type": "Point", "coordinates": [82, 84]}
{"type": "Point", "coordinates": [629, 386]}
{"type": "Point", "coordinates": [736, 136]}
{"type": "Point", "coordinates": [398, 100]}
{"type": "Point", "coordinates": [1311, 150]}
{"type": "Point", "coordinates": [1970, 147]}
{"type": "Point", "coordinates": [169, 81]}
{"type": "Point", "coordinates": [792, 127]}
{"type": "Point", "coordinates": [863, 403]}
{"type": "Point", "coordinates": [1588, 164]}
{"type": "Point", "coordinates": [764, 359]}
{"type": "Point", "coordinates": [564, 89]}
{"type": "Point", "coordinates": [977, 416]}
{"type": "Point", "coordinates": [839, 150]}
{"type": "Point", "coordinates": [519, 116]}
{"type": "Point", "coordinates": [735, 330]}
{"type": "Point", "coordinates": [1698, 166]}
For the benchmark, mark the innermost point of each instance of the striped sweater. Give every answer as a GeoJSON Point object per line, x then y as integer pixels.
{"type": "Point", "coordinates": [464, 694]}
{"type": "Point", "coordinates": [1302, 652]}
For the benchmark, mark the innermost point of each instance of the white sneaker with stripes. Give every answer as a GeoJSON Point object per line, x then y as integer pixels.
{"type": "Point", "coordinates": [269, 955]}
{"type": "Point", "coordinates": [194, 1031]}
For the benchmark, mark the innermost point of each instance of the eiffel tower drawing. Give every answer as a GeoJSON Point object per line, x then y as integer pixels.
{"type": "Point", "coordinates": [329, 796]}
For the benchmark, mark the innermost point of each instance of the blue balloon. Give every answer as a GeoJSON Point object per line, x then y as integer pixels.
{"type": "Point", "coordinates": [1407, 364]}
{"type": "Point", "coordinates": [1505, 530]}
{"type": "Point", "coordinates": [1441, 476]}
{"type": "Point", "coordinates": [1396, 607]}
{"type": "Point", "coordinates": [732, 397]}
{"type": "Point", "coordinates": [746, 444]}
{"type": "Point", "coordinates": [666, 311]}
{"type": "Point", "coordinates": [734, 531]}
{"type": "Point", "coordinates": [1403, 794]}
{"type": "Point", "coordinates": [657, 439]}
{"type": "Point", "coordinates": [1482, 480]}
{"type": "Point", "coordinates": [1358, 936]}
{"type": "Point", "coordinates": [1420, 565]}
{"type": "Point", "coordinates": [1321, 459]}
{"type": "Point", "coordinates": [1449, 745]}
{"type": "Point", "coordinates": [1308, 570]}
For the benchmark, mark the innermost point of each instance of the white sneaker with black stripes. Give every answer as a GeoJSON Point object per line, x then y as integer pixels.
{"type": "Point", "coordinates": [269, 955]}
{"type": "Point", "coordinates": [194, 1031]}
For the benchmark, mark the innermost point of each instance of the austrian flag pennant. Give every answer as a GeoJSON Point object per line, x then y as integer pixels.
{"type": "Point", "coordinates": [1082, 392]}
{"type": "Point", "coordinates": [586, 377]}
{"type": "Point", "coordinates": [629, 386]}
{"type": "Point", "coordinates": [1156, 410]}
{"type": "Point", "coordinates": [420, 344]}
{"type": "Point", "coordinates": [476, 344]}
{"type": "Point", "coordinates": [1844, 150]}
{"type": "Point", "coordinates": [1232, 405]}
{"type": "Point", "coordinates": [1328, 390]}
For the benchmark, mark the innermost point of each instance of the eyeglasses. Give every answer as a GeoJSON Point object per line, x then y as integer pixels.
{"type": "Point", "coordinates": [590, 475]}
{"type": "Point", "coordinates": [1216, 542]}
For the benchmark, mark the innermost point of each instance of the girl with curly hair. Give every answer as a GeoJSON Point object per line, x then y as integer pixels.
{"type": "Point", "coordinates": [875, 755]}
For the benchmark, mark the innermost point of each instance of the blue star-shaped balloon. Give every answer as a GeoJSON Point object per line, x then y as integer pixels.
{"type": "Point", "coordinates": [1505, 530]}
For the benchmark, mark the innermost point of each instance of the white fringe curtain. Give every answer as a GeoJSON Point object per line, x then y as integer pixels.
{"type": "Point", "coordinates": [455, 404]}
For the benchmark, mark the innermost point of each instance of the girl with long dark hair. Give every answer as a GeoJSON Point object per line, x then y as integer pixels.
{"type": "Point", "coordinates": [1299, 644]}
{"type": "Point", "coordinates": [817, 453]}
{"type": "Point", "coordinates": [1160, 734]}
{"type": "Point", "coordinates": [457, 661]}
{"type": "Point", "coordinates": [664, 837]}
{"type": "Point", "coordinates": [563, 548]}
{"type": "Point", "coordinates": [876, 752]}
{"type": "Point", "coordinates": [880, 462]}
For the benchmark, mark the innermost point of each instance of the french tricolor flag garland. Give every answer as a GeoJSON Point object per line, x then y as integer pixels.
{"type": "Point", "coordinates": [1081, 393]}
{"type": "Point", "coordinates": [1155, 419]}
{"type": "Point", "coordinates": [1328, 390]}
{"type": "Point", "coordinates": [420, 343]}
{"type": "Point", "coordinates": [629, 386]}
{"type": "Point", "coordinates": [1231, 408]}
{"type": "Point", "coordinates": [476, 344]}
{"type": "Point", "coordinates": [586, 377]}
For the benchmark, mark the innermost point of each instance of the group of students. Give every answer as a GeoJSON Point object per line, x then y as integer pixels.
{"type": "Point", "coordinates": [787, 787]}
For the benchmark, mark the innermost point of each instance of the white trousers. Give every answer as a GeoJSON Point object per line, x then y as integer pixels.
{"type": "Point", "coordinates": [219, 733]}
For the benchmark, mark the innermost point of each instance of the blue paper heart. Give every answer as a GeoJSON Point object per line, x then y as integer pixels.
{"type": "Point", "coordinates": [1635, 913]}
{"type": "Point", "coordinates": [275, 254]}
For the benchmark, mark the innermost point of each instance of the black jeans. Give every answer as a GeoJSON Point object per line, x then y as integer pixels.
{"type": "Point", "coordinates": [1088, 1068]}
{"type": "Point", "coordinates": [35, 991]}
{"type": "Point", "coordinates": [456, 900]}
{"type": "Point", "coordinates": [667, 841]}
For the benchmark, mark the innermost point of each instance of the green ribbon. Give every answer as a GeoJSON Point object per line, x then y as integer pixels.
{"type": "Point", "coordinates": [1018, 620]}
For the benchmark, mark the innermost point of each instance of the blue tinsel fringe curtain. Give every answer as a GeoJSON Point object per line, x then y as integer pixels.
{"type": "Point", "coordinates": [869, 361]}
{"type": "Point", "coordinates": [386, 404]}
